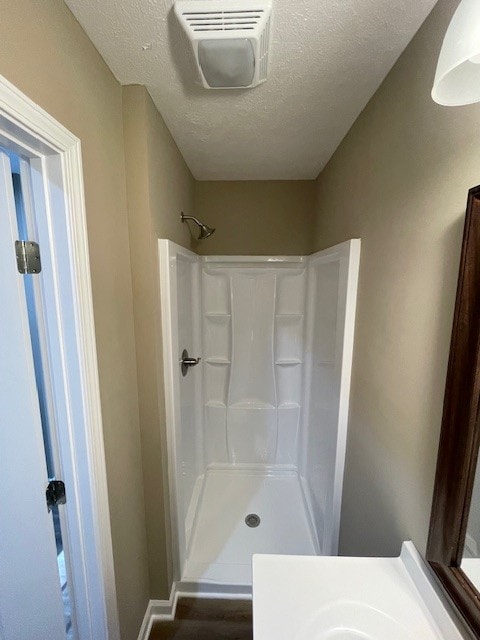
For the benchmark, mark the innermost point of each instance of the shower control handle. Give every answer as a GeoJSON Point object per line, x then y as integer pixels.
{"type": "Point", "coordinates": [186, 362]}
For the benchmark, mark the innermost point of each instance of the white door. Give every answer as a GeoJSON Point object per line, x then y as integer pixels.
{"type": "Point", "coordinates": [30, 596]}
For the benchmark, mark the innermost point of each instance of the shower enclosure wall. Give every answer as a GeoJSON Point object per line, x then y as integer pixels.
{"type": "Point", "coordinates": [257, 430]}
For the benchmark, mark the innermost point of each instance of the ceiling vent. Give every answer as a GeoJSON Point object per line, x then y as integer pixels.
{"type": "Point", "coordinates": [230, 40]}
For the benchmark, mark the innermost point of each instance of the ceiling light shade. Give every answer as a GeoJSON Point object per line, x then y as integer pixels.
{"type": "Point", "coordinates": [230, 40]}
{"type": "Point", "coordinates": [457, 79]}
{"type": "Point", "coordinates": [227, 63]}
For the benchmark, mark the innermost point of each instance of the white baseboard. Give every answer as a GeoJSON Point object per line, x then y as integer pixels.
{"type": "Point", "coordinates": [158, 610]}
{"type": "Point", "coordinates": [165, 609]}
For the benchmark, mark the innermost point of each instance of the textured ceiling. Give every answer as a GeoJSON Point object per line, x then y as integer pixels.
{"type": "Point", "coordinates": [327, 59]}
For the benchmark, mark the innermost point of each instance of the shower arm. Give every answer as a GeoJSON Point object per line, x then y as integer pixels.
{"type": "Point", "coordinates": [183, 217]}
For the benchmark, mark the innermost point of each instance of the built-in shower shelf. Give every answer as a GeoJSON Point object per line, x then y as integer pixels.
{"type": "Point", "coordinates": [217, 361]}
{"type": "Point", "coordinates": [289, 405]}
{"type": "Point", "coordinates": [214, 315]}
{"type": "Point", "coordinates": [289, 316]}
{"type": "Point", "coordinates": [253, 405]}
{"type": "Point", "coordinates": [288, 362]}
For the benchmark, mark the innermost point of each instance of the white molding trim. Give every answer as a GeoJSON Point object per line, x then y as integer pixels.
{"type": "Point", "coordinates": [165, 609]}
{"type": "Point", "coordinates": [27, 128]}
{"type": "Point", "coordinates": [158, 610]}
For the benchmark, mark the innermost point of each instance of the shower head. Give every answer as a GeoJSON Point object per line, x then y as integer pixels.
{"type": "Point", "coordinates": [205, 231]}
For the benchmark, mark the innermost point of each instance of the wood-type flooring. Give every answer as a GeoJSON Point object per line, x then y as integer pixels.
{"type": "Point", "coordinates": [203, 619]}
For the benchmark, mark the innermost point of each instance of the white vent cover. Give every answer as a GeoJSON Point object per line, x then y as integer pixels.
{"type": "Point", "coordinates": [230, 40]}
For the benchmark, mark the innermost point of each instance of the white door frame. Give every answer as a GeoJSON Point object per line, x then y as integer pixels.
{"type": "Point", "coordinates": [27, 129]}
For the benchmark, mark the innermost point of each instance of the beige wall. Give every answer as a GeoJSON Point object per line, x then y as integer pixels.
{"type": "Point", "coordinates": [255, 218]}
{"type": "Point", "coordinates": [159, 186]}
{"type": "Point", "coordinates": [45, 53]}
{"type": "Point", "coordinates": [399, 181]}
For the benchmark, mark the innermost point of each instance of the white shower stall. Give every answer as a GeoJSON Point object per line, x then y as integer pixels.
{"type": "Point", "coordinates": [256, 431]}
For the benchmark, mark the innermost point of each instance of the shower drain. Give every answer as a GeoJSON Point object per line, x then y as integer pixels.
{"type": "Point", "coordinates": [252, 520]}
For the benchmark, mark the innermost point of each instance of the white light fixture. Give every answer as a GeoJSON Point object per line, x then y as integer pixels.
{"type": "Point", "coordinates": [230, 40]}
{"type": "Point", "coordinates": [457, 79]}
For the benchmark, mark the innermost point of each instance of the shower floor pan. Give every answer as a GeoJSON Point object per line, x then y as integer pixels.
{"type": "Point", "coordinates": [222, 543]}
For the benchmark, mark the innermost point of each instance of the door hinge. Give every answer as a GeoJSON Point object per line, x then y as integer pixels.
{"type": "Point", "coordinates": [55, 494]}
{"type": "Point", "coordinates": [28, 256]}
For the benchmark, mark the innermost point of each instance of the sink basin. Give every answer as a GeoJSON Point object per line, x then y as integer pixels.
{"type": "Point", "coordinates": [342, 598]}
{"type": "Point", "coordinates": [352, 620]}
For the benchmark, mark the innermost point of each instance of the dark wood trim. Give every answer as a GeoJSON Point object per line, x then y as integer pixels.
{"type": "Point", "coordinates": [462, 592]}
{"type": "Point", "coordinates": [460, 434]}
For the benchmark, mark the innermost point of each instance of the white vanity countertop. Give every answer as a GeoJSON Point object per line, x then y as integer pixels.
{"type": "Point", "coordinates": [342, 598]}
